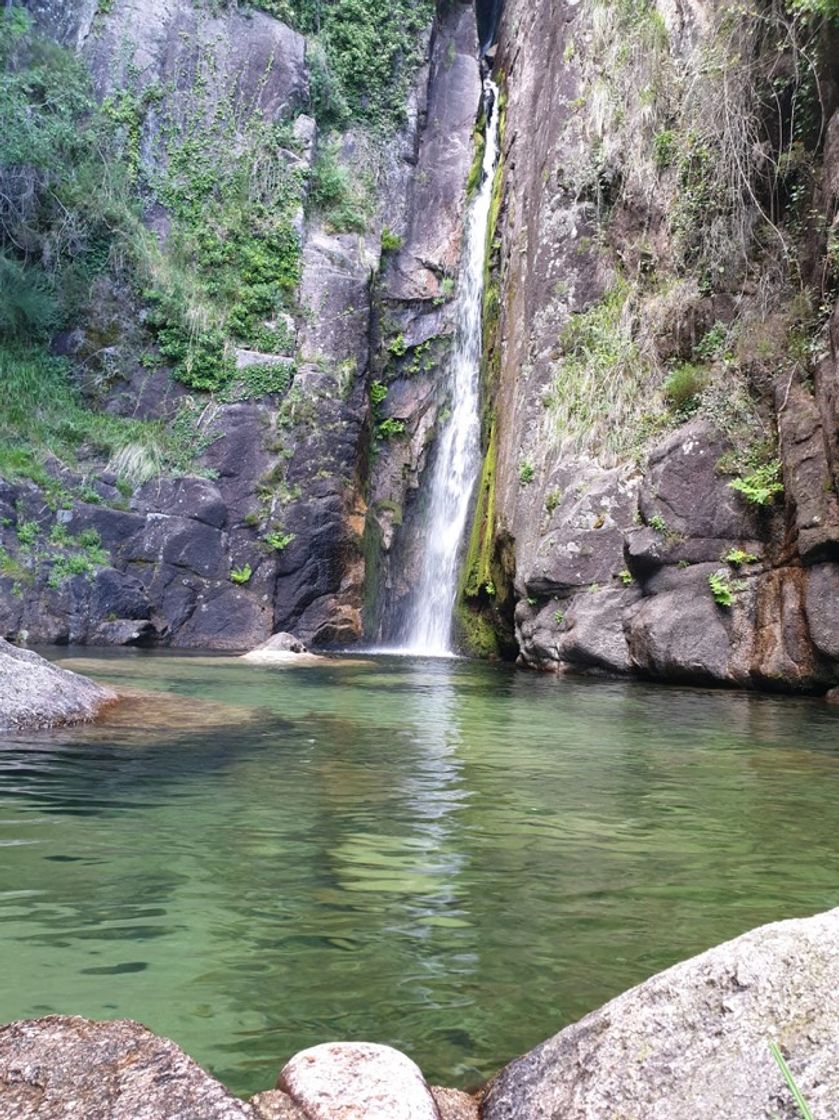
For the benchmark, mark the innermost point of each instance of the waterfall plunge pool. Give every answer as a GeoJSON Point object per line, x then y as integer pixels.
{"type": "Point", "coordinates": [452, 857]}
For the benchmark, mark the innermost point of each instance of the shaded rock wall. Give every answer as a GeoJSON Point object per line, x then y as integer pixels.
{"type": "Point", "coordinates": [299, 460]}
{"type": "Point", "coordinates": [615, 530]}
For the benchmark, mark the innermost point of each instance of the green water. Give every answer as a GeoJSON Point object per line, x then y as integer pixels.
{"type": "Point", "coordinates": [454, 858]}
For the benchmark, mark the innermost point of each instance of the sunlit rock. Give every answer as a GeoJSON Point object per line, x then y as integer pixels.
{"type": "Point", "coordinates": [357, 1081]}
{"type": "Point", "coordinates": [34, 693]}
{"type": "Point", "coordinates": [694, 1040]}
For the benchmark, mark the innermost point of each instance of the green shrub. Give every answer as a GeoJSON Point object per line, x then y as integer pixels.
{"type": "Point", "coordinates": [552, 500]}
{"type": "Point", "coordinates": [278, 540]}
{"type": "Point", "coordinates": [378, 392]}
{"type": "Point", "coordinates": [332, 195]}
{"type": "Point", "coordinates": [527, 472]}
{"type": "Point", "coordinates": [241, 575]}
{"type": "Point", "coordinates": [390, 241]}
{"type": "Point", "coordinates": [721, 588]}
{"type": "Point", "coordinates": [683, 387]}
{"type": "Point", "coordinates": [390, 427]}
{"type": "Point", "coordinates": [41, 409]}
{"type": "Point", "coordinates": [761, 486]}
{"type": "Point", "coordinates": [738, 557]}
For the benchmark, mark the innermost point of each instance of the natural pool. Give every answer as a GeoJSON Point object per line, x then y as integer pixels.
{"type": "Point", "coordinates": [451, 857]}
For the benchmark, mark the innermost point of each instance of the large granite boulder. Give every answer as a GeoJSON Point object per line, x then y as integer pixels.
{"type": "Point", "coordinates": [357, 1081]}
{"type": "Point", "coordinates": [68, 1068]}
{"type": "Point", "coordinates": [35, 694]}
{"type": "Point", "coordinates": [693, 1042]}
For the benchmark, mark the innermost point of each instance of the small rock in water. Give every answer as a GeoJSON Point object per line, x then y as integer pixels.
{"type": "Point", "coordinates": [357, 1081]}
{"type": "Point", "coordinates": [279, 647]}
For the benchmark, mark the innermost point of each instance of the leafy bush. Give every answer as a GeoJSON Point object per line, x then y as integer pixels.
{"type": "Point", "coordinates": [390, 427]}
{"type": "Point", "coordinates": [721, 588]}
{"type": "Point", "coordinates": [527, 472]}
{"type": "Point", "coordinates": [241, 575]}
{"type": "Point", "coordinates": [683, 387]}
{"type": "Point", "coordinates": [278, 540]}
{"type": "Point", "coordinates": [738, 557]}
{"type": "Point", "coordinates": [390, 241]}
{"type": "Point", "coordinates": [331, 194]}
{"type": "Point", "coordinates": [762, 485]}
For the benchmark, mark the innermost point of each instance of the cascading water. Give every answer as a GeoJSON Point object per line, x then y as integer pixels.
{"type": "Point", "coordinates": [428, 625]}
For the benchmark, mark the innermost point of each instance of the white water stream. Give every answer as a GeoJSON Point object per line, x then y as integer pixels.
{"type": "Point", "coordinates": [428, 627]}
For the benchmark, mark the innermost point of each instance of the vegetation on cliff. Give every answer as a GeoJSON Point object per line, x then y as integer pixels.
{"type": "Point", "coordinates": [701, 163]}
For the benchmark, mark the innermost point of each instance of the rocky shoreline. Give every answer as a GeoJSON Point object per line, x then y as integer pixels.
{"type": "Point", "coordinates": [693, 1041]}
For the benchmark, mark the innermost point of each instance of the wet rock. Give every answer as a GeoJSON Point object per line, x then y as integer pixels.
{"type": "Point", "coordinates": [357, 1081]}
{"type": "Point", "coordinates": [822, 606]}
{"type": "Point", "coordinates": [682, 634]}
{"type": "Point", "coordinates": [808, 480]}
{"type": "Point", "coordinates": [275, 1105]}
{"type": "Point", "coordinates": [283, 643]}
{"type": "Point", "coordinates": [693, 1041]}
{"type": "Point", "coordinates": [226, 618]}
{"type": "Point", "coordinates": [118, 595]}
{"type": "Point", "coordinates": [122, 632]}
{"type": "Point", "coordinates": [454, 1105]}
{"type": "Point", "coordinates": [35, 694]}
{"type": "Point", "coordinates": [67, 1068]}
{"type": "Point", "coordinates": [181, 542]}
{"type": "Point", "coordinates": [595, 636]}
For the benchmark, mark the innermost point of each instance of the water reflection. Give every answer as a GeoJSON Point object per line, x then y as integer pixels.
{"type": "Point", "coordinates": [453, 858]}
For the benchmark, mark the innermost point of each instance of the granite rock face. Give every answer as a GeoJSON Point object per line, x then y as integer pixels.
{"type": "Point", "coordinates": [64, 1068]}
{"type": "Point", "coordinates": [598, 536]}
{"type": "Point", "coordinates": [357, 1081]}
{"type": "Point", "coordinates": [693, 1041]}
{"type": "Point", "coordinates": [35, 694]}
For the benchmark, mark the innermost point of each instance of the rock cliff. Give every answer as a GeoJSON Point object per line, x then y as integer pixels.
{"type": "Point", "coordinates": [660, 436]}
{"type": "Point", "coordinates": [261, 524]}
{"type": "Point", "coordinates": [660, 490]}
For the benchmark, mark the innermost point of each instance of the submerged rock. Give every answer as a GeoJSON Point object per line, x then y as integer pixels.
{"type": "Point", "coordinates": [36, 694]}
{"type": "Point", "coordinates": [357, 1081]}
{"type": "Point", "coordinates": [694, 1040]}
{"type": "Point", "coordinates": [64, 1067]}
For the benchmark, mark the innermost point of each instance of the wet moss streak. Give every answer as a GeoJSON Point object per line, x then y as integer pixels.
{"type": "Point", "coordinates": [484, 582]}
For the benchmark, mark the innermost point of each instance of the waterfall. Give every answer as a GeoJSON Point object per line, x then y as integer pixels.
{"type": "Point", "coordinates": [457, 461]}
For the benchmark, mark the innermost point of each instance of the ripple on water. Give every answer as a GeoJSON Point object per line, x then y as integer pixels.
{"type": "Point", "coordinates": [454, 858]}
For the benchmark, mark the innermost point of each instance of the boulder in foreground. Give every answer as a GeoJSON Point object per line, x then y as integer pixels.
{"type": "Point", "coordinates": [36, 694]}
{"type": "Point", "coordinates": [693, 1042]}
{"type": "Point", "coordinates": [357, 1081]}
{"type": "Point", "coordinates": [64, 1067]}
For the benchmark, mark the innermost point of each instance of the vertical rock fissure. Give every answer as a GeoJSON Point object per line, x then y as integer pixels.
{"type": "Point", "coordinates": [427, 625]}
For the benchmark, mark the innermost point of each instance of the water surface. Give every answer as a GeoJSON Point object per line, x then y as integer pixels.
{"type": "Point", "coordinates": [454, 858]}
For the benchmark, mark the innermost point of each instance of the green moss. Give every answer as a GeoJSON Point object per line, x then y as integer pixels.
{"type": "Point", "coordinates": [477, 564]}
{"type": "Point", "coordinates": [475, 633]}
